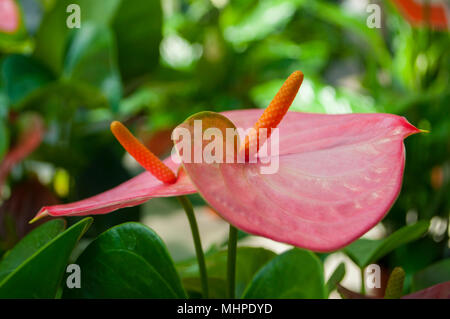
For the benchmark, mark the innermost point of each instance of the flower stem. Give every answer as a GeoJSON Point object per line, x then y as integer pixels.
{"type": "Point", "coordinates": [197, 243]}
{"type": "Point", "coordinates": [231, 261]}
{"type": "Point", "coordinates": [363, 284]}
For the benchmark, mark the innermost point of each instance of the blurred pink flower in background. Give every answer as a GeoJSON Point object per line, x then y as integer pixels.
{"type": "Point", "coordinates": [9, 16]}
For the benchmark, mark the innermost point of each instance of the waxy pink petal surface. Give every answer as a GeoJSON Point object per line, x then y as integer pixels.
{"type": "Point", "coordinates": [131, 193]}
{"type": "Point", "coordinates": [338, 176]}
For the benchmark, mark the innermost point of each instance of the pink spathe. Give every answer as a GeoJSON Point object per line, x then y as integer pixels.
{"type": "Point", "coordinates": [338, 176]}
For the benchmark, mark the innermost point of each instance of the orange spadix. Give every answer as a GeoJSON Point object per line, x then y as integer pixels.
{"type": "Point", "coordinates": [141, 154]}
{"type": "Point", "coordinates": [275, 112]}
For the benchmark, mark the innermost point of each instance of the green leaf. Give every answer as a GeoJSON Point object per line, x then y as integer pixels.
{"type": "Point", "coordinates": [432, 275]}
{"type": "Point", "coordinates": [29, 245]}
{"type": "Point", "coordinates": [4, 139]}
{"type": "Point", "coordinates": [335, 278]}
{"type": "Point", "coordinates": [22, 76]}
{"type": "Point", "coordinates": [248, 261]}
{"type": "Point", "coordinates": [127, 261]}
{"type": "Point", "coordinates": [293, 274]}
{"type": "Point", "coordinates": [53, 33]}
{"type": "Point", "coordinates": [35, 267]}
{"type": "Point", "coordinates": [365, 251]}
{"type": "Point", "coordinates": [138, 36]}
{"type": "Point", "coordinates": [91, 60]}
{"type": "Point", "coordinates": [257, 23]}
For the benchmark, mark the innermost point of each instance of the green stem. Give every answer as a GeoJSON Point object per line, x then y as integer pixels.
{"type": "Point", "coordinates": [197, 243]}
{"type": "Point", "coordinates": [231, 261]}
{"type": "Point", "coordinates": [363, 284]}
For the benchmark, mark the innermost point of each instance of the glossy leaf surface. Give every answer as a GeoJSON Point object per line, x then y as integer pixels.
{"type": "Point", "coordinates": [127, 261]}
{"type": "Point", "coordinates": [40, 272]}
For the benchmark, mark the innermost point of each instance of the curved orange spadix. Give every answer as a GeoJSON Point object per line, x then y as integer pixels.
{"type": "Point", "coordinates": [141, 154]}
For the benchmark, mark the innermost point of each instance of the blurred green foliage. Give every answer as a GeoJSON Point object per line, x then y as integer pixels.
{"type": "Point", "coordinates": [151, 64]}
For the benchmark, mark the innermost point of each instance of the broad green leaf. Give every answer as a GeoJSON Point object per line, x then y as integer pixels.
{"type": "Point", "coordinates": [40, 272]}
{"type": "Point", "coordinates": [138, 33]}
{"type": "Point", "coordinates": [91, 60]}
{"type": "Point", "coordinates": [29, 245]}
{"type": "Point", "coordinates": [248, 261]}
{"type": "Point", "coordinates": [119, 273]}
{"type": "Point", "coordinates": [365, 251]}
{"type": "Point", "coordinates": [294, 274]}
{"type": "Point", "coordinates": [53, 34]}
{"type": "Point", "coordinates": [335, 278]}
{"type": "Point", "coordinates": [22, 76]}
{"type": "Point", "coordinates": [127, 261]}
{"type": "Point", "coordinates": [432, 275]}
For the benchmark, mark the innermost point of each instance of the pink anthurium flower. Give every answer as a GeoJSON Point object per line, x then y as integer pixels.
{"type": "Point", "coordinates": [9, 16]}
{"type": "Point", "coordinates": [338, 175]}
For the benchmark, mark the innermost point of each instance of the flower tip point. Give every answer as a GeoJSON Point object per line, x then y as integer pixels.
{"type": "Point", "coordinates": [295, 79]}
{"type": "Point", "coordinates": [424, 131]}
{"type": "Point", "coordinates": [37, 217]}
{"type": "Point", "coordinates": [297, 74]}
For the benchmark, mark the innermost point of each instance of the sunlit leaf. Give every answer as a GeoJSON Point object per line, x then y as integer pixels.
{"type": "Point", "coordinates": [266, 17]}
